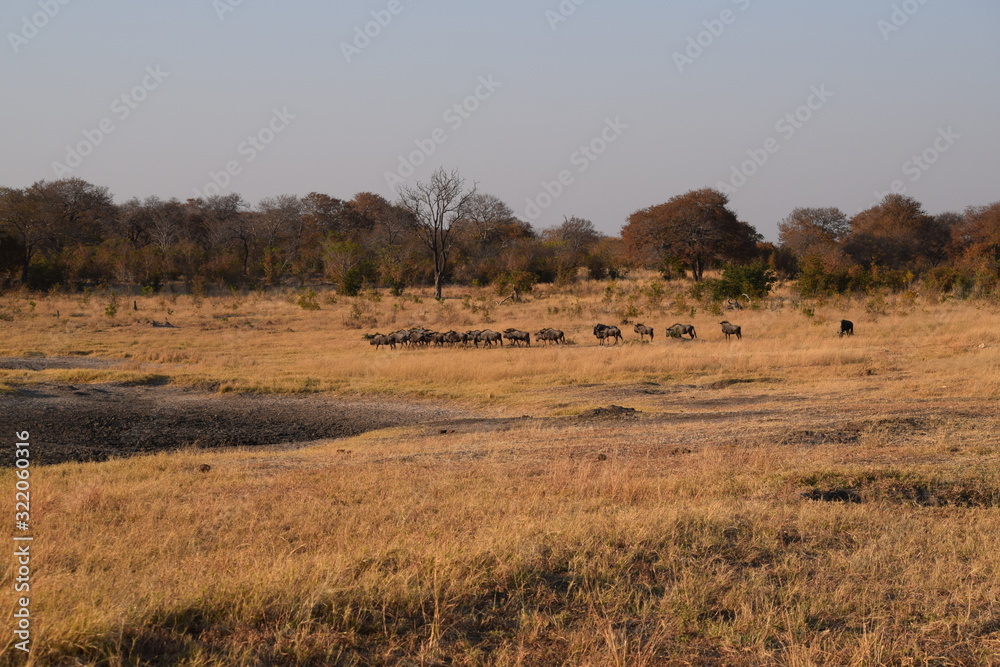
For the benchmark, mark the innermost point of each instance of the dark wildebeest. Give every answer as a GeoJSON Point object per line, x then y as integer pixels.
{"type": "Point", "coordinates": [644, 331]}
{"type": "Point", "coordinates": [452, 337]}
{"type": "Point", "coordinates": [551, 336]}
{"type": "Point", "coordinates": [603, 332]}
{"type": "Point", "coordinates": [516, 337]}
{"type": "Point", "coordinates": [679, 330]}
{"type": "Point", "coordinates": [846, 327]}
{"type": "Point", "coordinates": [418, 337]}
{"type": "Point", "coordinates": [401, 337]}
{"type": "Point", "coordinates": [378, 340]}
{"type": "Point", "coordinates": [731, 330]}
{"type": "Point", "coordinates": [489, 337]}
{"type": "Point", "coordinates": [471, 337]}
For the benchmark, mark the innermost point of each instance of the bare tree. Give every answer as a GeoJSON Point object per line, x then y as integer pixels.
{"type": "Point", "coordinates": [281, 227]}
{"type": "Point", "coordinates": [486, 216]}
{"type": "Point", "coordinates": [436, 206]}
{"type": "Point", "coordinates": [21, 220]}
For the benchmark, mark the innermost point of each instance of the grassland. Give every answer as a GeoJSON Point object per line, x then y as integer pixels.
{"type": "Point", "coordinates": [677, 536]}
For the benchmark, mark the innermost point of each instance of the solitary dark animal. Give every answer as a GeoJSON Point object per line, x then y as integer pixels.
{"type": "Point", "coordinates": [731, 329]}
{"type": "Point", "coordinates": [678, 330]}
{"type": "Point", "coordinates": [603, 332]}
{"type": "Point", "coordinates": [554, 336]}
{"type": "Point", "coordinates": [644, 331]}
{"type": "Point", "coordinates": [846, 327]}
{"type": "Point", "coordinates": [205, 467]}
{"type": "Point", "coordinates": [135, 305]}
{"type": "Point", "coordinates": [516, 337]}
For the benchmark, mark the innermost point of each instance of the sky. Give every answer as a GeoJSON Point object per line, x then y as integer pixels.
{"type": "Point", "coordinates": [590, 108]}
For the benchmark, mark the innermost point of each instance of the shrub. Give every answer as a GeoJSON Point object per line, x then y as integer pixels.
{"type": "Point", "coordinates": [754, 280]}
{"type": "Point", "coordinates": [308, 300]}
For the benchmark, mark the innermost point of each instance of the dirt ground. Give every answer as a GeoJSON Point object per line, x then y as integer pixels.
{"type": "Point", "coordinates": [95, 422]}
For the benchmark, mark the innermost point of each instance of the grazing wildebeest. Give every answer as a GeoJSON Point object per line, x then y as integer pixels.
{"type": "Point", "coordinates": [489, 337]}
{"type": "Point", "coordinates": [731, 329]}
{"type": "Point", "coordinates": [516, 337]}
{"type": "Point", "coordinates": [603, 332]}
{"type": "Point", "coordinates": [378, 340]}
{"type": "Point", "coordinates": [679, 330]}
{"type": "Point", "coordinates": [644, 331]}
{"type": "Point", "coordinates": [846, 327]}
{"type": "Point", "coordinates": [554, 336]}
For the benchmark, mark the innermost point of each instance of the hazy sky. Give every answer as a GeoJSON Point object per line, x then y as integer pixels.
{"type": "Point", "coordinates": [658, 113]}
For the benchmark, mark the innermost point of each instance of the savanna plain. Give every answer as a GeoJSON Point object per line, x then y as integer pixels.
{"type": "Point", "coordinates": [791, 498]}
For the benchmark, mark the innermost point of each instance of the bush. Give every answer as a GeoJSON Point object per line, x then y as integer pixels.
{"type": "Point", "coordinates": [111, 308]}
{"type": "Point", "coordinates": [521, 281]}
{"type": "Point", "coordinates": [754, 280]}
{"type": "Point", "coordinates": [308, 300]}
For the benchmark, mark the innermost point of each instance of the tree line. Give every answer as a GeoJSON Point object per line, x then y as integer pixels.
{"type": "Point", "coordinates": [71, 233]}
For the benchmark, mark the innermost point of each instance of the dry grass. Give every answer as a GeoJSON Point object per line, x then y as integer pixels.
{"type": "Point", "coordinates": [678, 537]}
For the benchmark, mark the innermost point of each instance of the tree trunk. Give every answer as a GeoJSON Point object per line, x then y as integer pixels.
{"type": "Point", "coordinates": [25, 268]}
{"type": "Point", "coordinates": [440, 264]}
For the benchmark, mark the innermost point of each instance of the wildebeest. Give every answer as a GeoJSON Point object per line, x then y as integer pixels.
{"type": "Point", "coordinates": [401, 337]}
{"type": "Point", "coordinates": [678, 330]}
{"type": "Point", "coordinates": [731, 329]}
{"type": "Point", "coordinates": [471, 337]}
{"type": "Point", "coordinates": [551, 336]}
{"type": "Point", "coordinates": [644, 331]}
{"type": "Point", "coordinates": [419, 337]}
{"type": "Point", "coordinates": [846, 327]}
{"type": "Point", "coordinates": [378, 340]}
{"type": "Point", "coordinates": [603, 332]}
{"type": "Point", "coordinates": [516, 337]}
{"type": "Point", "coordinates": [489, 337]}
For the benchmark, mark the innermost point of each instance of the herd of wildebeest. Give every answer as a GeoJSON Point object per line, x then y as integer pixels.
{"type": "Point", "coordinates": [515, 337]}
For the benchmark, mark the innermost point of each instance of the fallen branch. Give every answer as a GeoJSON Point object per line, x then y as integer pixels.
{"type": "Point", "coordinates": [515, 296]}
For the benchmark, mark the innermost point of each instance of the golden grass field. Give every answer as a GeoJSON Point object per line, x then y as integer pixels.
{"type": "Point", "coordinates": [679, 536]}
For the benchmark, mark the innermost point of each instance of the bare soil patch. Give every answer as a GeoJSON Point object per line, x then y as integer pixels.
{"type": "Point", "coordinates": [98, 422]}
